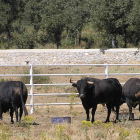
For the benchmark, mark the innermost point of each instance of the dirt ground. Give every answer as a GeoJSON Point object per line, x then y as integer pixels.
{"type": "Point", "coordinates": [42, 114]}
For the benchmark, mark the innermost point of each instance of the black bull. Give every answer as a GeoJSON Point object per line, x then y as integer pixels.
{"type": "Point", "coordinates": [131, 95]}
{"type": "Point", "coordinates": [13, 95]}
{"type": "Point", "coordinates": [94, 91]}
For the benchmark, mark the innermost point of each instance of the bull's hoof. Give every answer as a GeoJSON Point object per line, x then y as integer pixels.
{"type": "Point", "coordinates": [132, 119]}
{"type": "Point", "coordinates": [106, 121]}
{"type": "Point", "coordinates": [12, 122]}
{"type": "Point", "coordinates": [87, 119]}
{"type": "Point", "coordinates": [35, 123]}
{"type": "Point", "coordinates": [117, 120]}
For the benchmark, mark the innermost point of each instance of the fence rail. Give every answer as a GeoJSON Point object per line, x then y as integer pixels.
{"type": "Point", "coordinates": [31, 75]}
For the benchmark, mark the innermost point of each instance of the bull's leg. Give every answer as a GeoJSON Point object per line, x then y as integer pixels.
{"type": "Point", "coordinates": [11, 114]}
{"type": "Point", "coordinates": [87, 112]}
{"type": "Point", "coordinates": [21, 112]}
{"type": "Point", "coordinates": [139, 108]}
{"type": "Point", "coordinates": [16, 112]}
{"type": "Point", "coordinates": [109, 111]}
{"type": "Point", "coordinates": [93, 112]}
{"type": "Point", "coordinates": [117, 112]}
{"type": "Point", "coordinates": [129, 104]}
{"type": "Point", "coordinates": [0, 111]}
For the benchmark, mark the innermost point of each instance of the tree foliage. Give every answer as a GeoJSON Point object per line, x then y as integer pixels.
{"type": "Point", "coordinates": [31, 23]}
{"type": "Point", "coordinates": [113, 17]}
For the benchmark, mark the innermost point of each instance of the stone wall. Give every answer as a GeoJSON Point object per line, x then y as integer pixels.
{"type": "Point", "coordinates": [69, 56]}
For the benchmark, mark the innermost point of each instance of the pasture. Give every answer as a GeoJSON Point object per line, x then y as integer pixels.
{"type": "Point", "coordinates": [78, 129]}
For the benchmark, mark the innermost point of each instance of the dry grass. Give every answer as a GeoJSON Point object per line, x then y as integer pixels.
{"type": "Point", "coordinates": [74, 131]}
{"type": "Point", "coordinates": [46, 130]}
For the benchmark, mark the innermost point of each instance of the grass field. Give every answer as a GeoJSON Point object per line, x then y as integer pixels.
{"type": "Point", "coordinates": [78, 129]}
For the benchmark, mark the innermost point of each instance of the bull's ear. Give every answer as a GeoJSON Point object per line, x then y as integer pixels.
{"type": "Point", "coordinates": [74, 85]}
{"type": "Point", "coordinates": [138, 94]}
{"type": "Point", "coordinates": [89, 82]}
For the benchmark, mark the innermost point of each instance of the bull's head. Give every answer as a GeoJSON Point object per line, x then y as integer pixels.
{"type": "Point", "coordinates": [82, 86]}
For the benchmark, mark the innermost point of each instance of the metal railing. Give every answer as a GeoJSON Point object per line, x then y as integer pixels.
{"type": "Point", "coordinates": [31, 75]}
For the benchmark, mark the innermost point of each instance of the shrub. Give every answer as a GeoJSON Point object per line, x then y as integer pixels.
{"type": "Point", "coordinates": [36, 79]}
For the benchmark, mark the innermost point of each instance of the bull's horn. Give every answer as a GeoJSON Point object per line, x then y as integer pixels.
{"type": "Point", "coordinates": [89, 82]}
{"type": "Point", "coordinates": [72, 81]}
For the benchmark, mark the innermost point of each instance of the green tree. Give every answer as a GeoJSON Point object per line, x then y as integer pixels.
{"type": "Point", "coordinates": [77, 16]}
{"type": "Point", "coordinates": [41, 22]}
{"type": "Point", "coordinates": [9, 12]}
{"type": "Point", "coordinates": [53, 20]}
{"type": "Point", "coordinates": [113, 18]}
{"type": "Point", "coordinates": [26, 27]}
{"type": "Point", "coordinates": [134, 28]}
{"type": "Point", "coordinates": [30, 23]}
{"type": "Point", "coordinates": [4, 16]}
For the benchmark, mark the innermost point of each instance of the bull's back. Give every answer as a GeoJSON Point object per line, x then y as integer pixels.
{"type": "Point", "coordinates": [108, 89]}
{"type": "Point", "coordinates": [112, 86]}
{"type": "Point", "coordinates": [10, 91]}
{"type": "Point", "coordinates": [131, 88]}
{"type": "Point", "coordinates": [130, 82]}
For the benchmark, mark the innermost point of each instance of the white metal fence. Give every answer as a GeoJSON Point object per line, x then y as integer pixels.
{"type": "Point", "coordinates": [31, 75]}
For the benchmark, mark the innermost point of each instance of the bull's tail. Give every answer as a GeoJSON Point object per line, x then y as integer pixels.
{"type": "Point", "coordinates": [21, 95]}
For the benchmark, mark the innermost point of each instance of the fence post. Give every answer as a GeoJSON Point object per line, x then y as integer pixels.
{"type": "Point", "coordinates": [31, 88]}
{"type": "Point", "coordinates": [106, 71]}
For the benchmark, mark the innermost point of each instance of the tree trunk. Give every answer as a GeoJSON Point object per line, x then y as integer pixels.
{"type": "Point", "coordinates": [8, 34]}
{"type": "Point", "coordinates": [79, 37]}
{"type": "Point", "coordinates": [57, 45]}
{"type": "Point", "coordinates": [114, 42]}
{"type": "Point", "coordinates": [75, 40]}
{"type": "Point", "coordinates": [125, 40]}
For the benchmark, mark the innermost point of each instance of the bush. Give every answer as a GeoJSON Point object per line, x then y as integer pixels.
{"type": "Point", "coordinates": [36, 79]}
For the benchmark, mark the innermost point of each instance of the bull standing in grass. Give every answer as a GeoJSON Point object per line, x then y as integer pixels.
{"type": "Point", "coordinates": [131, 95]}
{"type": "Point", "coordinates": [93, 91]}
{"type": "Point", "coordinates": [13, 95]}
